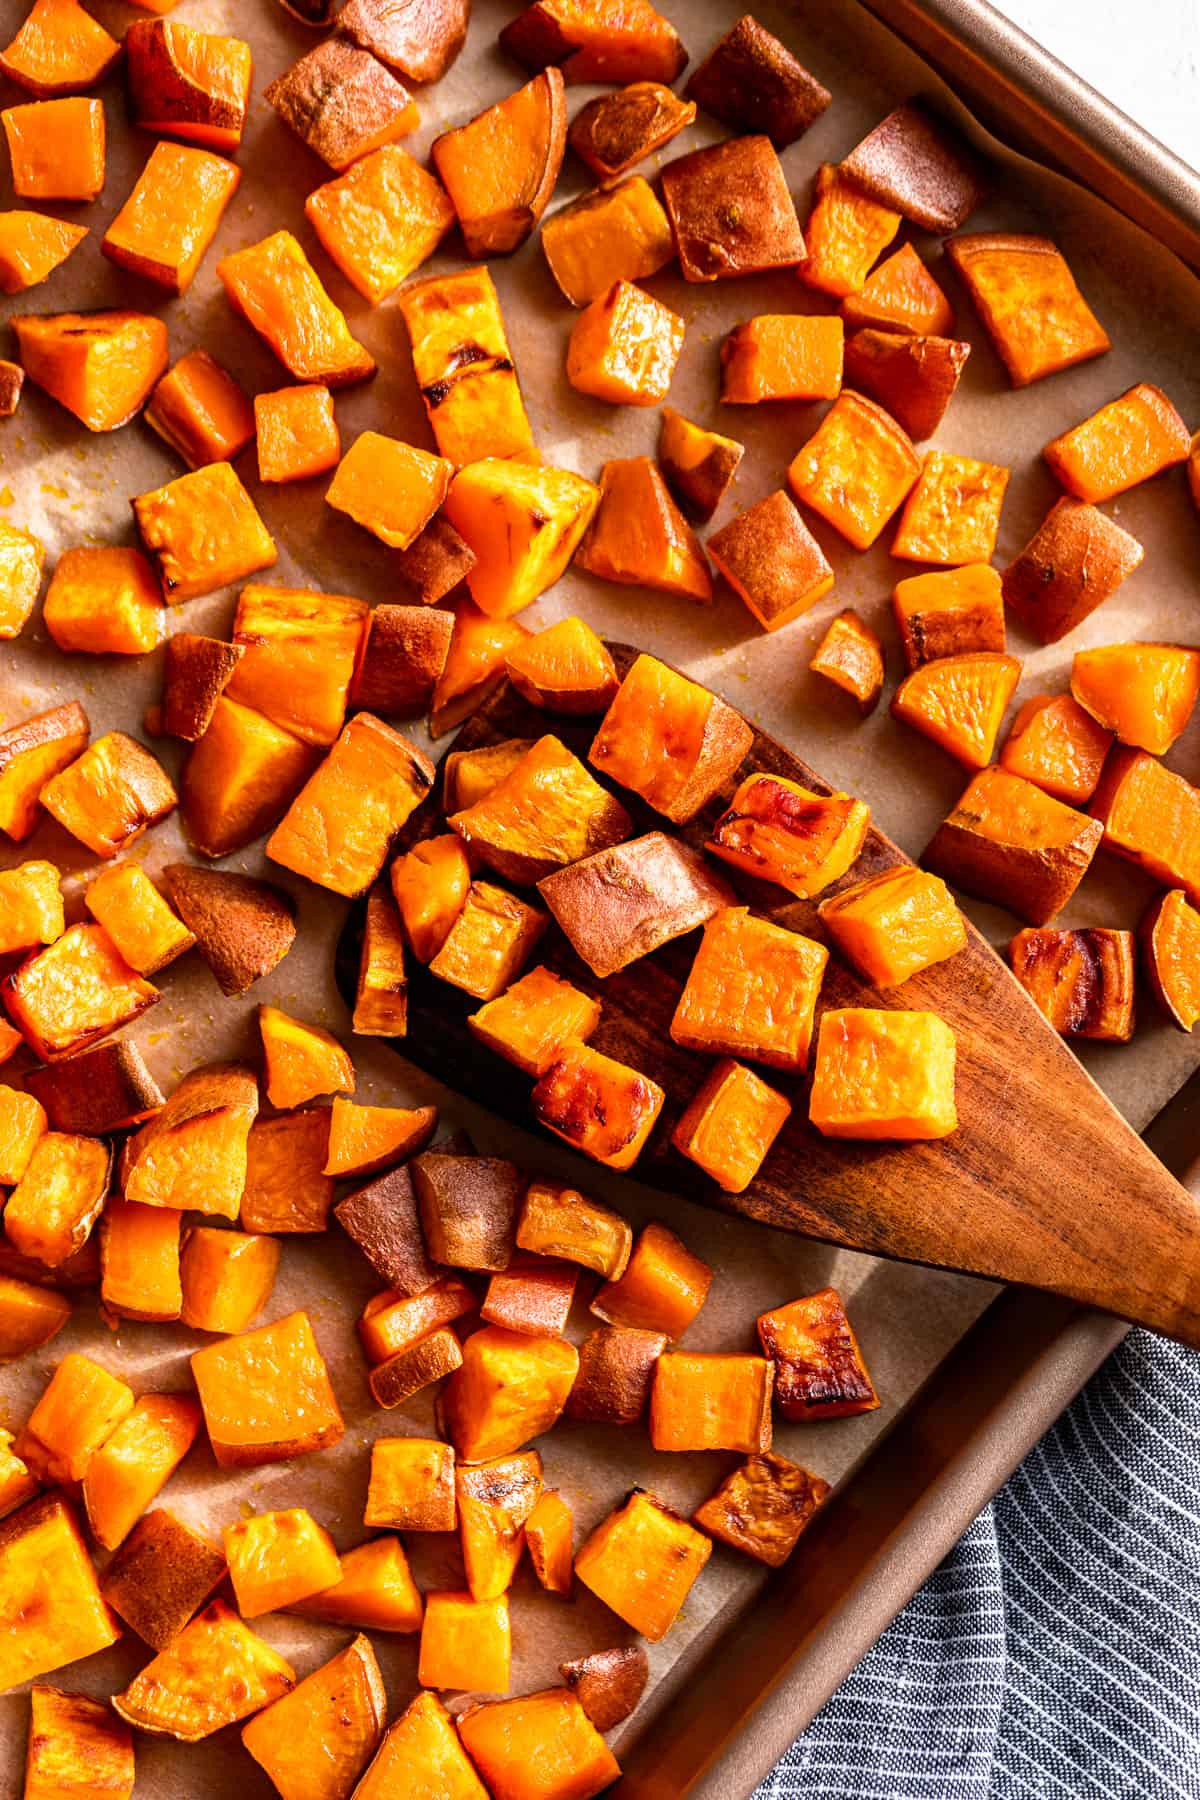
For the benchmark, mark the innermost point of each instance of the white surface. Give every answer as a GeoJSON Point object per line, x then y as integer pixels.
{"type": "Point", "coordinates": [1143, 54]}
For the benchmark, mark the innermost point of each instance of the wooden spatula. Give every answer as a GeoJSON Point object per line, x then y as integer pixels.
{"type": "Point", "coordinates": [1043, 1183]}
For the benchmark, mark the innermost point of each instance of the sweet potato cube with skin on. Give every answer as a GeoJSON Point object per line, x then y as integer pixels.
{"type": "Point", "coordinates": [532, 1295]}
{"type": "Point", "coordinates": [729, 1126]}
{"type": "Point", "coordinates": [565, 667]}
{"type": "Point", "coordinates": [914, 378]}
{"type": "Point", "coordinates": [529, 1023]}
{"type": "Point", "coordinates": [51, 1610]}
{"type": "Point", "coordinates": [17, 1485]}
{"type": "Point", "coordinates": [846, 234]}
{"type": "Point", "coordinates": [661, 1290]}
{"type": "Point", "coordinates": [778, 831]}
{"type": "Point", "coordinates": [609, 1683]}
{"type": "Point", "coordinates": [296, 432]}
{"type": "Point", "coordinates": [412, 1485]}
{"type": "Point", "coordinates": [697, 464]}
{"type": "Point", "coordinates": [819, 1368]}
{"type": "Point", "coordinates": [960, 702]}
{"type": "Point", "coordinates": [364, 1139]}
{"type": "Point", "coordinates": [339, 828]}
{"type": "Point", "coordinates": [169, 220]}
{"type": "Point", "coordinates": [29, 1317]}
{"type": "Point", "coordinates": [639, 536]}
{"type": "Point", "coordinates": [541, 1746]}
{"type": "Point", "coordinates": [188, 84]}
{"type": "Point", "coordinates": [1008, 842]}
{"type": "Point", "coordinates": [475, 665]}
{"type": "Point", "coordinates": [381, 992]}
{"type": "Point", "coordinates": [1081, 981]}
{"type": "Point", "coordinates": [12, 380]}
{"type": "Point", "coordinates": [375, 1591]}
{"type": "Point", "coordinates": [391, 1321]}
{"type": "Point", "coordinates": [717, 236]}
{"type": "Point", "coordinates": [278, 1558]}
{"type": "Point", "coordinates": [76, 990]}
{"type": "Point", "coordinates": [750, 81]}
{"type": "Point", "coordinates": [343, 103]}
{"type": "Point", "coordinates": [547, 812]}
{"type": "Point", "coordinates": [489, 942]}
{"type": "Point", "coordinates": [900, 295]}
{"type": "Point", "coordinates": [495, 1499]}
{"type": "Point", "coordinates": [468, 1208]}
{"type": "Point", "coordinates": [465, 1643]}
{"type": "Point", "coordinates": [32, 246]}
{"type": "Point", "coordinates": [590, 43]}
{"type": "Point", "coordinates": [952, 612]}
{"type": "Point", "coordinates": [303, 1061]}
{"type": "Point", "coordinates": [1058, 746]}
{"type": "Point", "coordinates": [751, 991]}
{"type": "Point", "coordinates": [213, 1674]}
{"type": "Point", "coordinates": [511, 1387]}
{"type": "Point", "coordinates": [286, 1188]}
{"type": "Point", "coordinates": [319, 1738]}
{"type": "Point", "coordinates": [562, 1223]}
{"type": "Point", "coordinates": [623, 903]}
{"type": "Point", "coordinates": [473, 402]}
{"type": "Point", "coordinates": [952, 514]}
{"type": "Point", "coordinates": [1036, 317]}
{"type": "Point", "coordinates": [883, 1075]}
{"type": "Point", "coordinates": [31, 753]}
{"type": "Point", "coordinates": [390, 488]}
{"type": "Point", "coordinates": [850, 655]}
{"type": "Point", "coordinates": [242, 774]}
{"type": "Point", "coordinates": [669, 740]}
{"type": "Point", "coordinates": [101, 366]}
{"type": "Point", "coordinates": [782, 356]}
{"type": "Point", "coordinates": [199, 409]}
{"type": "Point", "coordinates": [202, 532]}
{"type": "Point", "coordinates": [242, 927]}
{"type": "Point", "coordinates": [80, 1408]}
{"type": "Point", "coordinates": [196, 672]}
{"type": "Point", "coordinates": [856, 469]}
{"type": "Point", "coordinates": [227, 1278]}
{"type": "Point", "coordinates": [894, 924]}
{"type": "Point", "coordinates": [772, 561]}
{"type": "Point", "coordinates": [275, 288]}
{"type": "Point", "coordinates": [136, 1462]}
{"type": "Point", "coordinates": [621, 234]}
{"type": "Point", "coordinates": [549, 1536]}
{"type": "Point", "coordinates": [711, 1402]}
{"type": "Point", "coordinates": [501, 167]}
{"type": "Point", "coordinates": [110, 794]}
{"type": "Point", "coordinates": [642, 1562]}
{"type": "Point", "coordinates": [762, 1508]}
{"type": "Point", "coordinates": [52, 1209]}
{"type": "Point", "coordinates": [192, 1155]}
{"type": "Point", "coordinates": [522, 524]}
{"type": "Point", "coordinates": [267, 1395]}
{"type": "Point", "coordinates": [161, 1575]}
{"type": "Point", "coordinates": [1077, 559]}
{"type": "Point", "coordinates": [422, 1747]}
{"type": "Point", "coordinates": [104, 600]}
{"type": "Point", "coordinates": [31, 907]}
{"type": "Point", "coordinates": [430, 884]}
{"type": "Point", "coordinates": [59, 49]}
{"type": "Point", "coordinates": [430, 1359]}
{"type": "Point", "coordinates": [1126, 442]}
{"type": "Point", "coordinates": [146, 931]}
{"type": "Point", "coordinates": [599, 1106]}
{"type": "Point", "coordinates": [616, 1373]}
{"type": "Point", "coordinates": [1169, 936]}
{"type": "Point", "coordinates": [434, 564]}
{"type": "Point", "coordinates": [139, 1261]}
{"type": "Point", "coordinates": [76, 1749]}
{"type": "Point", "coordinates": [21, 559]}
{"type": "Point", "coordinates": [617, 130]}
{"type": "Point", "coordinates": [22, 1127]}
{"type": "Point", "coordinates": [917, 162]}
{"type": "Point", "coordinates": [624, 347]}
{"type": "Point", "coordinates": [300, 650]}
{"type": "Point", "coordinates": [1143, 693]}
{"type": "Point", "coordinates": [56, 149]}
{"type": "Point", "coordinates": [402, 658]}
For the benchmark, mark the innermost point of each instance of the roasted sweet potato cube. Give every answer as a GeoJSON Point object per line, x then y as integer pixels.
{"type": "Point", "coordinates": [419, 39]}
{"type": "Point", "coordinates": [883, 1075]}
{"type": "Point", "coordinates": [267, 1395]}
{"type": "Point", "coordinates": [533, 1295]}
{"type": "Point", "coordinates": [1010, 843]}
{"type": "Point", "coordinates": [199, 409]}
{"type": "Point", "coordinates": [661, 1290]}
{"type": "Point", "coordinates": [1143, 693]}
{"type": "Point", "coordinates": [778, 831]}
{"type": "Point", "coordinates": [670, 740]}
{"type": "Point", "coordinates": [856, 469]}
{"type": "Point", "coordinates": [1081, 981]}
{"type": "Point", "coordinates": [375, 1592]}
{"type": "Point", "coordinates": [300, 651]}
{"type": "Point", "coordinates": [188, 84]}
{"type": "Point", "coordinates": [639, 536]}
{"type": "Point", "coordinates": [323, 1734]}
{"type": "Point", "coordinates": [1169, 936]}
{"type": "Point", "coordinates": [381, 992]}
{"type": "Point", "coordinates": [192, 1155]}
{"type": "Point", "coordinates": [716, 236]}
{"type": "Point", "coordinates": [275, 288]}
{"type": "Point", "coordinates": [894, 924]}
{"type": "Point", "coordinates": [772, 561]}
{"type": "Point", "coordinates": [390, 488]}
{"type": "Point", "coordinates": [547, 812]}
{"type": "Point", "coordinates": [489, 942]}
{"type": "Point", "coordinates": [762, 1508]}
{"type": "Point", "coordinates": [74, 991]}
{"type": "Point", "coordinates": [592, 43]}
{"type": "Point", "coordinates": [392, 1321]}
{"type": "Point", "coordinates": [163, 1572]}
{"type": "Point", "coordinates": [53, 1612]}
{"type": "Point", "coordinates": [169, 220]}
{"type": "Point", "coordinates": [959, 702]}
{"type": "Point", "coordinates": [1026, 296]}
{"type": "Point", "coordinates": [430, 885]}
{"type": "Point", "coordinates": [196, 672]}
{"type": "Point", "coordinates": [468, 1208]}
{"type": "Point", "coordinates": [819, 1368]}
{"type": "Point", "coordinates": [846, 233]}
{"type": "Point", "coordinates": [139, 1261]}
{"type": "Point", "coordinates": [227, 1278]}
{"type": "Point", "coordinates": [624, 347]}
{"type": "Point", "coordinates": [914, 378]}
{"type": "Point", "coordinates": [342, 102]}
{"type": "Point", "coordinates": [412, 1485]}
{"type": "Point", "coordinates": [148, 933]}
{"type": "Point", "coordinates": [286, 1188]}
{"type": "Point", "coordinates": [1151, 816]}
{"type": "Point", "coordinates": [1128, 441]}
{"type": "Point", "coordinates": [277, 1558]}
{"type": "Point", "coordinates": [511, 1387]}
{"type": "Point", "coordinates": [213, 1674]}
{"type": "Point", "coordinates": [399, 1377]}
{"type": "Point", "coordinates": [240, 777]}
{"type": "Point", "coordinates": [135, 1463]}
{"type": "Point", "coordinates": [522, 524]}
{"type": "Point", "coordinates": [500, 168]}
{"type": "Point", "coordinates": [952, 515]}
{"type": "Point", "coordinates": [12, 380]}
{"type": "Point", "coordinates": [1077, 558]}
{"type": "Point", "coordinates": [402, 658]}
{"type": "Point", "coordinates": [609, 1683]}
{"type": "Point", "coordinates": [339, 828]}
{"type": "Point", "coordinates": [900, 295]}
{"type": "Point", "coordinates": [619, 234]}
{"type": "Point", "coordinates": [616, 130]}
{"type": "Point", "coordinates": [79, 1271]}
{"type": "Point", "coordinates": [56, 149]}
{"type": "Point", "coordinates": [559, 1222]}
{"type": "Point", "coordinates": [101, 366]}
{"type": "Point", "coordinates": [21, 559]}
{"type": "Point", "coordinates": [465, 1643]}
{"type": "Point", "coordinates": [297, 433]}
{"type": "Point", "coordinates": [495, 1498]}
{"type": "Point", "coordinates": [102, 1090]}
{"type": "Point", "coordinates": [751, 992]}
{"type": "Point", "coordinates": [76, 1747]}
{"type": "Point", "coordinates": [104, 600]}
{"type": "Point", "coordinates": [473, 401]}
{"type": "Point", "coordinates": [243, 928]}
{"type": "Point", "coordinates": [549, 1537]}
{"type": "Point", "coordinates": [850, 655]}
{"type": "Point", "coordinates": [616, 1373]}
{"type": "Point", "coordinates": [474, 667]}
{"type": "Point", "coordinates": [110, 794]}
{"type": "Point", "coordinates": [201, 532]}
{"type": "Point", "coordinates": [59, 49]}
{"type": "Point", "coordinates": [31, 753]}
{"type": "Point", "coordinates": [750, 81]}
{"type": "Point", "coordinates": [302, 1060]}
{"type": "Point", "coordinates": [17, 1485]}
{"type": "Point", "coordinates": [1058, 746]}
{"type": "Point", "coordinates": [782, 356]}
{"type": "Point", "coordinates": [365, 1139]}
{"type": "Point", "coordinates": [471, 775]}
{"type": "Point", "coordinates": [711, 1402]}
{"type": "Point", "coordinates": [952, 612]}
{"type": "Point", "coordinates": [434, 564]}
{"type": "Point", "coordinates": [601, 1107]}
{"type": "Point", "coordinates": [917, 162]}
{"type": "Point", "coordinates": [32, 246]}
{"type": "Point", "coordinates": [29, 1316]}
{"type": "Point", "coordinates": [697, 464]}
{"type": "Point", "coordinates": [625, 902]}
{"type": "Point", "coordinates": [549, 1730]}
{"type": "Point", "coordinates": [22, 1127]}
{"type": "Point", "coordinates": [80, 1408]}
{"type": "Point", "coordinates": [31, 907]}
{"type": "Point", "coordinates": [729, 1125]}
{"type": "Point", "coordinates": [531, 1021]}
{"type": "Point", "coordinates": [564, 667]}
{"type": "Point", "coordinates": [642, 1561]}
{"type": "Point", "coordinates": [422, 1744]}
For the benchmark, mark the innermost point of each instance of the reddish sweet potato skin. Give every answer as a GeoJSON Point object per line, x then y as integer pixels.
{"type": "Point", "coordinates": [419, 38]}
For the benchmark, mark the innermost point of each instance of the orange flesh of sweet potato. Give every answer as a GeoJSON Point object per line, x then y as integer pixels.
{"type": "Point", "coordinates": [900, 295]}
{"type": "Point", "coordinates": [296, 432]}
{"type": "Point", "coordinates": [762, 1508]}
{"type": "Point", "coordinates": [952, 515]}
{"type": "Point", "coordinates": [80, 1408]}
{"type": "Point", "coordinates": [161, 1574]}
{"type": "Point", "coordinates": [642, 1561]}
{"type": "Point", "coordinates": [564, 667]}
{"type": "Point", "coordinates": [489, 942]}
{"type": "Point", "coordinates": [59, 49]}
{"type": "Point", "coordinates": [883, 1075]}
{"type": "Point", "coordinates": [419, 39]}
{"type": "Point", "coordinates": [560, 1222]}
{"type": "Point", "coordinates": [465, 1643]}
{"type": "Point", "coordinates": [730, 1124]}
{"type": "Point", "coordinates": [894, 924]}
{"type": "Point", "coordinates": [169, 220]}
{"type": "Point", "coordinates": [549, 1533]}
{"type": "Point", "coordinates": [390, 488]}
{"type": "Point", "coordinates": [639, 536]}
{"type": "Point", "coordinates": [188, 84]}
{"type": "Point", "coordinates": [104, 600]}
{"type": "Point", "coordinates": [343, 103]}
{"type": "Point", "coordinates": [616, 130]}
{"type": "Point", "coordinates": [192, 1154]}
{"type": "Point", "coordinates": [959, 702]}
{"type": "Point", "coordinates": [620, 234]}
{"type": "Point", "coordinates": [393, 1322]}
{"type": "Point", "coordinates": [422, 1750]}
{"type": "Point", "coordinates": [101, 366]}
{"type": "Point", "coordinates": [242, 774]}
{"type": "Point", "coordinates": [1130, 440]}
{"type": "Point", "coordinates": [500, 169]}
{"type": "Point", "coordinates": [949, 612]}
{"type": "Point", "coordinates": [1082, 981]}
{"type": "Point", "coordinates": [21, 559]}
{"type": "Point", "coordinates": [510, 1388]}
{"type": "Point", "coordinates": [624, 347]}
{"type": "Point", "coordinates": [471, 775]}
{"type": "Point", "coordinates": [473, 402]}
{"type": "Point", "coordinates": [375, 1592]}
{"type": "Point", "coordinates": [522, 523]}
{"type": "Point", "coordinates": [267, 1395]}
{"type": "Point", "coordinates": [79, 1271]}
{"type": "Point", "coordinates": [819, 1368]}
{"type": "Point", "coordinates": [601, 1106]}
{"type": "Point", "coordinates": [616, 1373]}
{"type": "Point", "coordinates": [532, 1020]}
{"type": "Point", "coordinates": [275, 288]}
{"type": "Point", "coordinates": [1075, 560]}
{"type": "Point", "coordinates": [139, 1261]}
{"type": "Point", "coordinates": [495, 1499]}
{"type": "Point", "coordinates": [31, 907]}
{"type": "Point", "coordinates": [711, 1402]}
{"type": "Point", "coordinates": [662, 1289]}
{"type": "Point", "coordinates": [856, 469]}
{"type": "Point", "coordinates": [17, 1485]}
{"type": "Point", "coordinates": [474, 666]}
{"type": "Point", "coordinates": [777, 830]}
{"type": "Point", "coordinates": [716, 238]}
{"type": "Point", "coordinates": [213, 1674]}
{"type": "Point", "coordinates": [670, 740]}
{"type": "Point", "coordinates": [547, 812]}
{"type": "Point", "coordinates": [32, 246]}
{"type": "Point", "coordinates": [50, 1605]}
{"type": "Point", "coordinates": [146, 930]}
{"type": "Point", "coordinates": [402, 657]}
{"type": "Point", "coordinates": [412, 1485]}
{"type": "Point", "coordinates": [74, 991]}
{"type": "Point", "coordinates": [300, 653]}
{"type": "Point", "coordinates": [51, 1211]}
{"type": "Point", "coordinates": [593, 43]}
{"type": "Point", "coordinates": [782, 356]}
{"type": "Point", "coordinates": [76, 1747]}
{"type": "Point", "coordinates": [750, 81]}
{"type": "Point", "coordinates": [533, 1295]}
{"type": "Point", "coordinates": [1169, 935]}
{"type": "Point", "coordinates": [751, 991]}
{"type": "Point", "coordinates": [1058, 746]}
{"type": "Point", "coordinates": [914, 378]}
{"type": "Point", "coordinates": [697, 464]}
{"type": "Point", "coordinates": [548, 1732]}
{"type": "Point", "coordinates": [200, 411]}
{"type": "Point", "coordinates": [1026, 296]}
{"type": "Point", "coordinates": [201, 532]}
{"type": "Point", "coordinates": [364, 1139]}
{"type": "Point", "coordinates": [1009, 842]}
{"type": "Point", "coordinates": [278, 1558]}
{"type": "Point", "coordinates": [30, 754]}
{"type": "Point", "coordinates": [430, 884]}
{"type": "Point", "coordinates": [381, 993]}
{"type": "Point", "coordinates": [609, 1683]}
{"type": "Point", "coordinates": [29, 1316]}
{"type": "Point", "coordinates": [110, 794]}
{"type": "Point", "coordinates": [286, 1188]}
{"type": "Point", "coordinates": [319, 1738]}
{"type": "Point", "coordinates": [399, 1377]}
{"type": "Point", "coordinates": [845, 236]}
{"type": "Point", "coordinates": [227, 1277]}
{"type": "Point", "coordinates": [136, 1462]}
{"type": "Point", "coordinates": [468, 1208]}
{"type": "Point", "coordinates": [56, 148]}
{"type": "Point", "coordinates": [302, 1060]}
{"type": "Point", "coordinates": [196, 672]}
{"type": "Point", "coordinates": [1143, 693]}
{"type": "Point", "coordinates": [850, 655]}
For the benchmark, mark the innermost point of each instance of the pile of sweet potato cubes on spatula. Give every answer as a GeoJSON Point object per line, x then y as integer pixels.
{"type": "Point", "coordinates": [179, 1206]}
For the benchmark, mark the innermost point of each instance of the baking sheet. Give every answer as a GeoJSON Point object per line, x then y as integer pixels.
{"type": "Point", "coordinates": [70, 489]}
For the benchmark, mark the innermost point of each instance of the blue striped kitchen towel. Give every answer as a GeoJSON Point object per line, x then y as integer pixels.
{"type": "Point", "coordinates": [1055, 1655]}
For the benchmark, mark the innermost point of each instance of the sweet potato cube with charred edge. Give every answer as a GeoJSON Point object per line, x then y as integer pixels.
{"type": "Point", "coordinates": [275, 288]}
{"type": "Point", "coordinates": [136, 1462]}
{"type": "Point", "coordinates": [751, 82]}
{"type": "Point", "coordinates": [564, 667]}
{"type": "Point", "coordinates": [300, 653]}
{"type": "Point", "coordinates": [1058, 746]}
{"type": "Point", "coordinates": [51, 1211]}
{"type": "Point", "coordinates": [624, 347]}
{"type": "Point", "coordinates": [390, 488]}
{"type": "Point", "coordinates": [1169, 936]}
{"type": "Point", "coordinates": [243, 928]}
{"type": "Point", "coordinates": [240, 777]}
{"type": "Point", "coordinates": [227, 1277]}
{"type": "Point", "coordinates": [375, 1592]}
{"type": "Point", "coordinates": [762, 1508]}
{"type": "Point", "coordinates": [1143, 693]}
{"type": "Point", "coordinates": [402, 657]}
{"type": "Point", "coordinates": [894, 924]}
{"type": "Point", "coordinates": [302, 1060]}
{"type": "Point", "coordinates": [465, 1643]}
{"type": "Point", "coordinates": [56, 149]}
{"type": "Point", "coordinates": [615, 131]}
{"type": "Point", "coordinates": [399, 1377]}
{"type": "Point", "coordinates": [76, 1749]}
{"type": "Point", "coordinates": [1151, 816]}
{"type": "Point", "coordinates": [711, 1402]}
{"type": "Point", "coordinates": [103, 1090]}
{"type": "Point", "coordinates": [52, 1610]}
{"type": "Point", "coordinates": [381, 992]}
{"type": "Point", "coordinates": [104, 600]}
{"type": "Point", "coordinates": [110, 794]}
{"type": "Point", "coordinates": [730, 211]}
{"type": "Point", "coordinates": [471, 775]}
{"type": "Point", "coordinates": [547, 812]}
{"type": "Point", "coordinates": [500, 168]}
{"type": "Point", "coordinates": [392, 1321]}
{"type": "Point", "coordinates": [338, 830]}
{"type": "Point", "coordinates": [297, 433]}
{"type": "Point", "coordinates": [522, 523]}
{"type": "Point", "coordinates": [32, 246]}
{"type": "Point", "coordinates": [642, 1561]}
{"type": "Point", "coordinates": [670, 740]}
{"type": "Point", "coordinates": [1026, 296]}
{"type": "Point", "coordinates": [639, 536]}
{"type": "Point", "coordinates": [616, 1373]}
{"type": "Point", "coordinates": [662, 1289]}
{"type": "Point", "coordinates": [29, 1317]}
{"type": "Point", "coordinates": [730, 1124]}
{"type": "Point", "coordinates": [590, 42]}
{"type": "Point", "coordinates": [900, 295]}
{"type": "Point", "coordinates": [266, 1395]}
{"type": "Point", "coordinates": [430, 884]}
{"type": "Point", "coordinates": [549, 1537]}
{"type": "Point", "coordinates": [495, 1499]}
{"type": "Point", "coordinates": [1075, 560]}
{"type": "Point", "coordinates": [139, 1261]}
{"type": "Point", "coordinates": [101, 366]}
{"type": "Point", "coordinates": [188, 84]}
{"type": "Point", "coordinates": [1010, 843]}
{"type": "Point", "coordinates": [21, 559]}
{"type": "Point", "coordinates": [202, 532]}
{"type": "Point", "coordinates": [883, 1075]}
{"type": "Point", "coordinates": [434, 563]}
{"type": "Point", "coordinates": [468, 1208]}
{"type": "Point", "coordinates": [365, 1139]}
{"type": "Point", "coordinates": [598, 1105]}
{"type": "Point", "coordinates": [751, 991]}
{"type": "Point", "coordinates": [850, 655]}
{"type": "Point", "coordinates": [286, 1188]}
{"type": "Point", "coordinates": [609, 1683]}
{"type": "Point", "coordinates": [213, 1674]}
{"type": "Point", "coordinates": [199, 409]}
{"type": "Point", "coordinates": [533, 1295]}
{"type": "Point", "coordinates": [277, 1558]}
{"type": "Point", "coordinates": [511, 1387]}
{"type": "Point", "coordinates": [322, 1735]}
{"type": "Point", "coordinates": [12, 380]}
{"type": "Point", "coordinates": [17, 1485]}
{"type": "Point", "coordinates": [475, 665]}
{"type": "Point", "coordinates": [623, 903]}
{"type": "Point", "coordinates": [31, 907]}
{"type": "Point", "coordinates": [196, 672]}
{"type": "Point", "coordinates": [782, 356]}
{"type": "Point", "coordinates": [951, 612]}
{"type": "Point", "coordinates": [342, 102]}
{"type": "Point", "coordinates": [697, 464]}
{"type": "Point", "coordinates": [914, 378]}
{"type": "Point", "coordinates": [530, 1023]}
{"type": "Point", "coordinates": [76, 990]}
{"type": "Point", "coordinates": [952, 515]}
{"type": "Point", "coordinates": [779, 831]}
{"type": "Point", "coordinates": [1082, 981]}
{"type": "Point", "coordinates": [412, 1485]}
{"type": "Point", "coordinates": [419, 39]}
{"type": "Point", "coordinates": [489, 942]}
{"type": "Point", "coordinates": [856, 469]}
{"type": "Point", "coordinates": [619, 234]}
{"type": "Point", "coordinates": [547, 1731]}
{"type": "Point", "coordinates": [819, 1368]}
{"type": "Point", "coordinates": [31, 753]}
{"type": "Point", "coordinates": [1128, 441]}
{"type": "Point", "coordinates": [959, 702]}
{"type": "Point", "coordinates": [559, 1222]}
{"type": "Point", "coordinates": [917, 162]}
{"type": "Point", "coordinates": [169, 220]}
{"type": "Point", "coordinates": [145, 929]}
{"type": "Point", "coordinates": [163, 1572]}
{"type": "Point", "coordinates": [192, 1154]}
{"type": "Point", "coordinates": [422, 1745]}
{"type": "Point", "coordinates": [59, 49]}
{"type": "Point", "coordinates": [464, 366]}
{"type": "Point", "coordinates": [845, 234]}
{"type": "Point", "coordinates": [80, 1407]}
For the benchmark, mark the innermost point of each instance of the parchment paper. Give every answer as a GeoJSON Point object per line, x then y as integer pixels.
{"type": "Point", "coordinates": [70, 488]}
